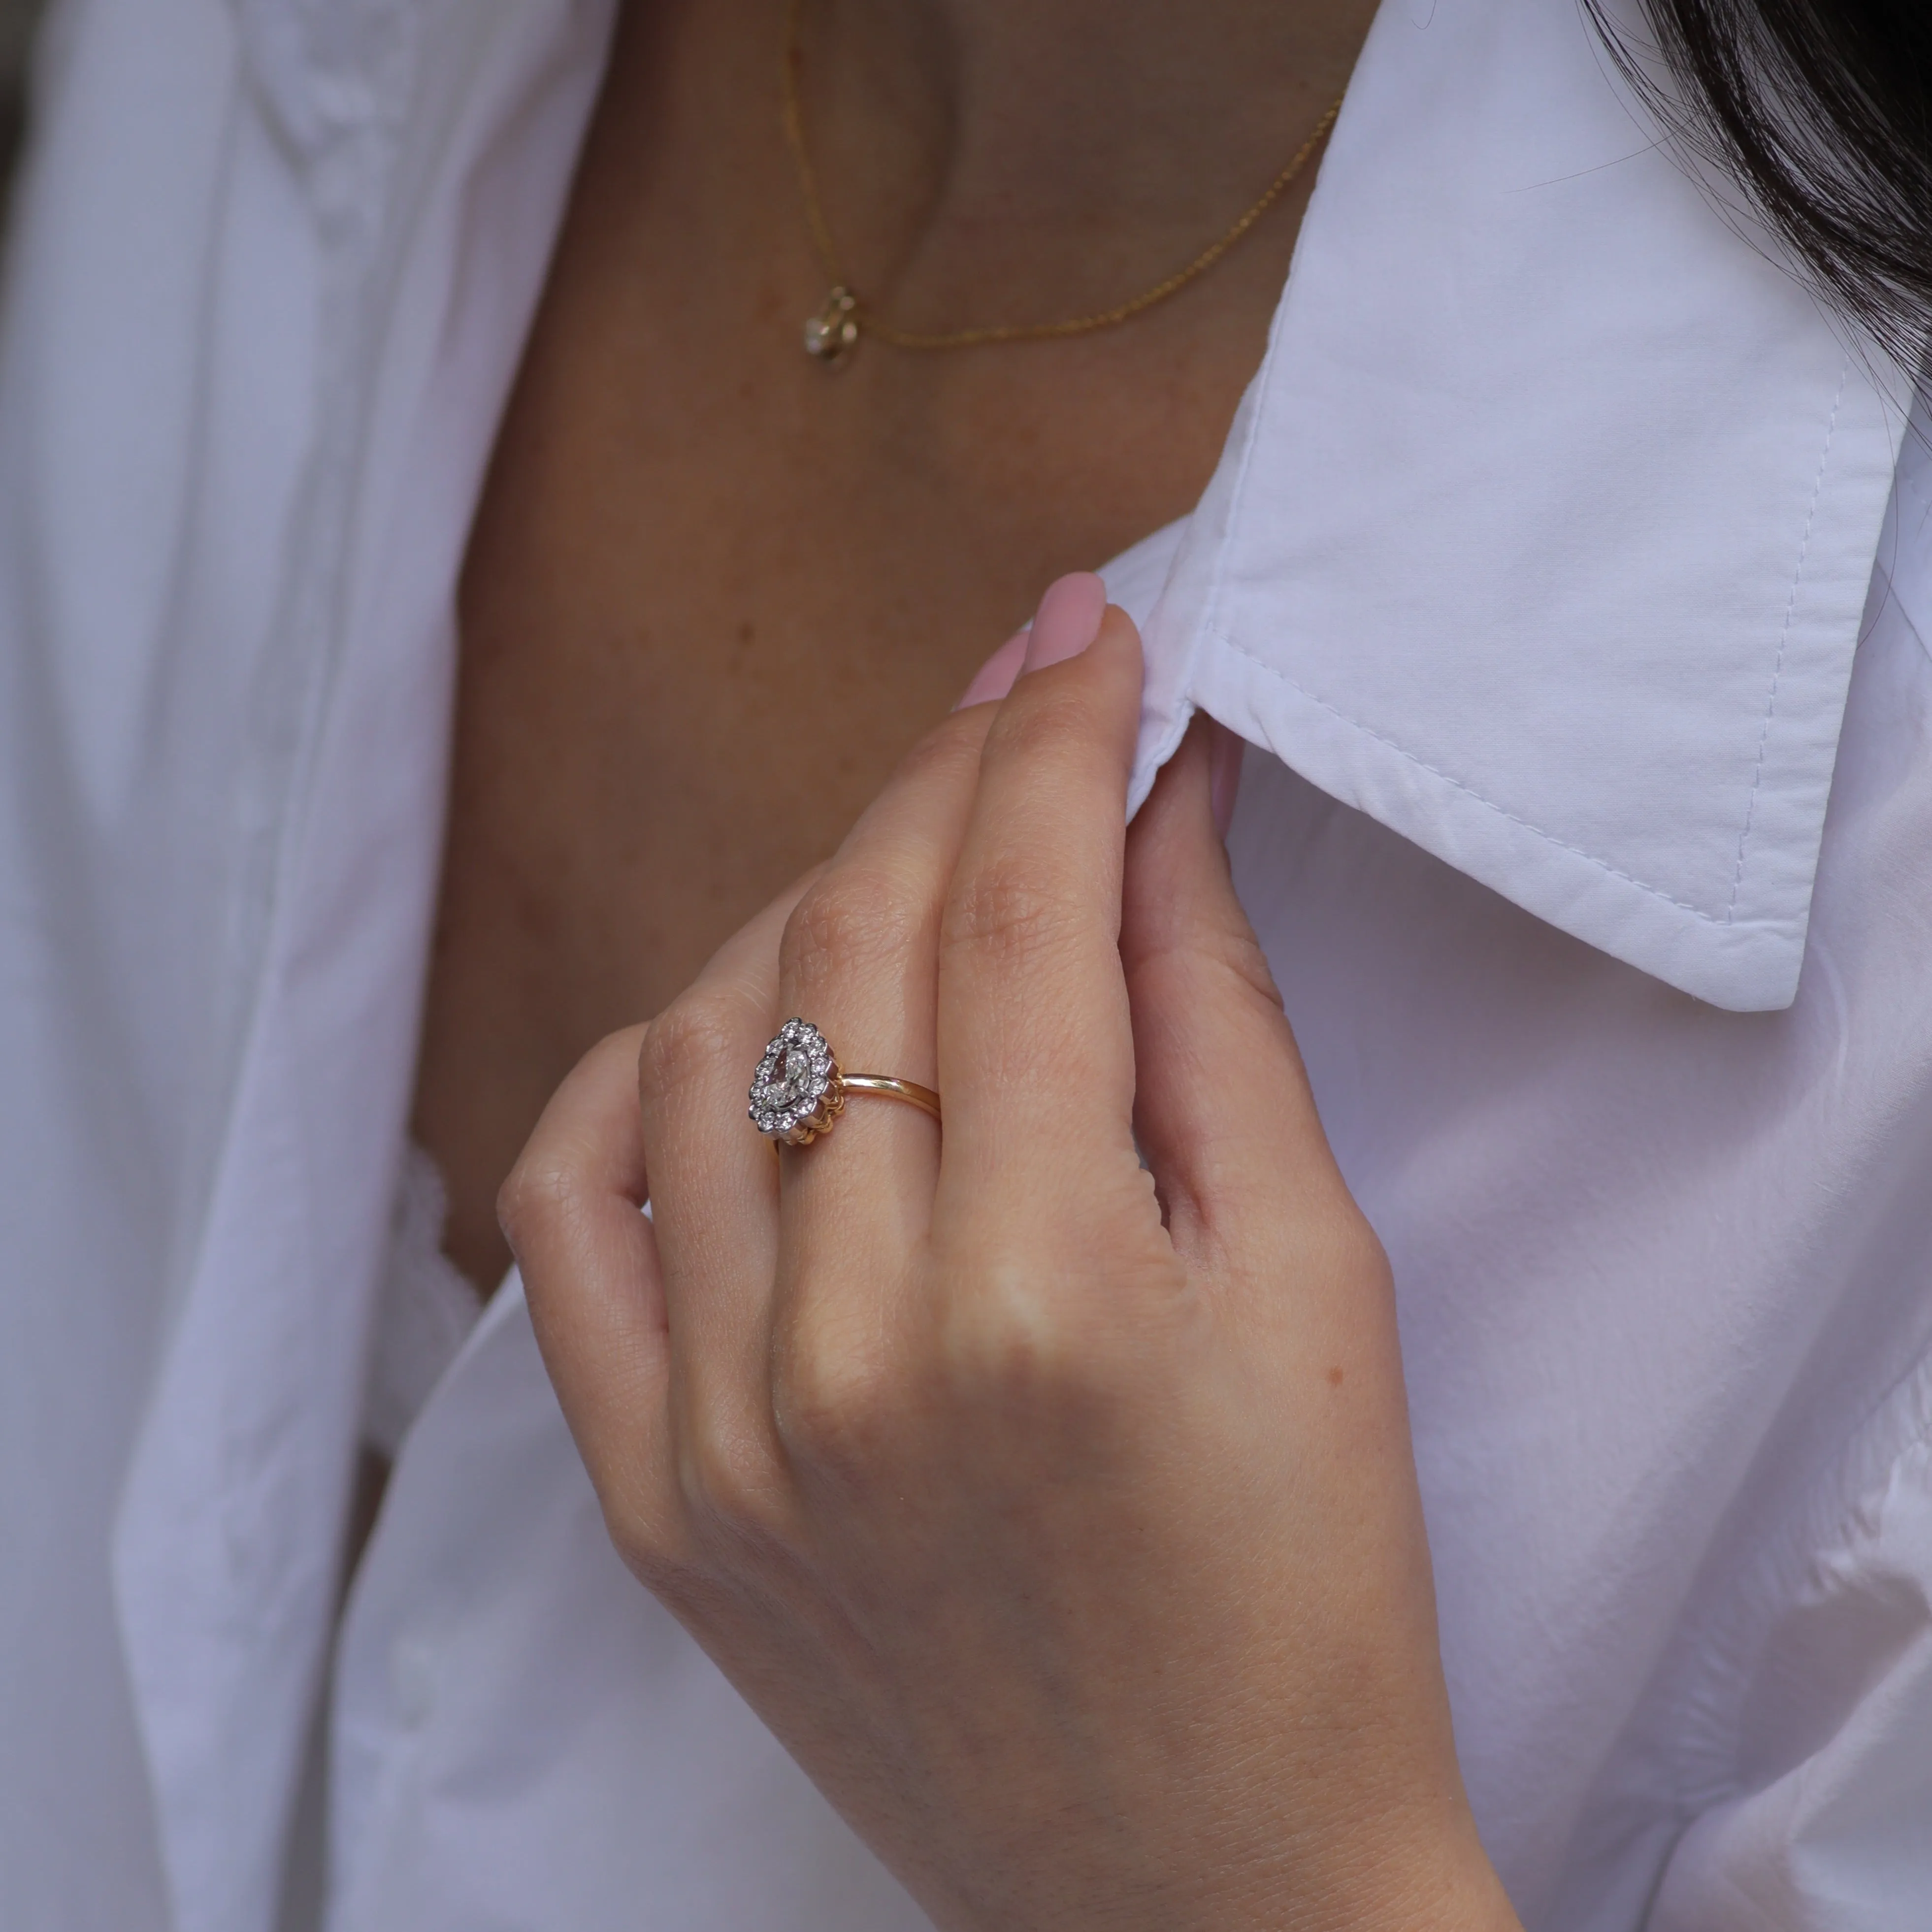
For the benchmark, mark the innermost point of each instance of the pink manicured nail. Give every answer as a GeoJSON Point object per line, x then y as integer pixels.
{"type": "Point", "coordinates": [1224, 775]}
{"type": "Point", "coordinates": [1068, 619]}
{"type": "Point", "coordinates": [995, 678]}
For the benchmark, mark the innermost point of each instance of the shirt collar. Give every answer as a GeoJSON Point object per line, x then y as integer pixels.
{"type": "Point", "coordinates": [1543, 535]}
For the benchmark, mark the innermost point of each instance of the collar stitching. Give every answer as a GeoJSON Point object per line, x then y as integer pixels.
{"type": "Point", "coordinates": [1254, 411]}
{"type": "Point", "coordinates": [1783, 638]}
{"type": "Point", "coordinates": [1502, 810]}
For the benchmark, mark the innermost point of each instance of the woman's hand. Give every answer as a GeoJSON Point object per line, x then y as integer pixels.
{"type": "Point", "coordinates": [1057, 1512]}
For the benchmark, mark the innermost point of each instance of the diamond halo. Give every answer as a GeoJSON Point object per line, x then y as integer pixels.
{"type": "Point", "coordinates": [797, 1093]}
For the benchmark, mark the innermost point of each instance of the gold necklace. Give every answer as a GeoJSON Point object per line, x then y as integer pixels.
{"type": "Point", "coordinates": [832, 331]}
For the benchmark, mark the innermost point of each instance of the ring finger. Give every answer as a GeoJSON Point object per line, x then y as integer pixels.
{"type": "Point", "coordinates": [714, 1193]}
{"type": "Point", "coordinates": [860, 960]}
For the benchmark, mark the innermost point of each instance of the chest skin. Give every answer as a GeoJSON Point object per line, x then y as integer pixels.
{"type": "Point", "coordinates": [713, 591]}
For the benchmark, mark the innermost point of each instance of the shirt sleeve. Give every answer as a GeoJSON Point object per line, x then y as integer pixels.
{"type": "Point", "coordinates": [1829, 1829]}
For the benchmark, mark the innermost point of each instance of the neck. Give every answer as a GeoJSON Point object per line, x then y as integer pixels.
{"type": "Point", "coordinates": [1055, 146]}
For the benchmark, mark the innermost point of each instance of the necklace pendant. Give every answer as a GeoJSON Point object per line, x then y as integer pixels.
{"type": "Point", "coordinates": [833, 334]}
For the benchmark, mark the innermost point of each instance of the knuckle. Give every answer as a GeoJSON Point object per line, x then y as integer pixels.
{"type": "Point", "coordinates": [834, 1402]}
{"type": "Point", "coordinates": [659, 1571]}
{"type": "Point", "coordinates": [543, 1189]}
{"type": "Point", "coordinates": [1360, 1255]}
{"type": "Point", "coordinates": [651, 1549]}
{"type": "Point", "coordinates": [730, 1484]}
{"type": "Point", "coordinates": [536, 1198]}
{"type": "Point", "coordinates": [686, 1045]}
{"type": "Point", "coordinates": [1040, 720]}
{"type": "Point", "coordinates": [1327, 1243]}
{"type": "Point", "coordinates": [1006, 910]}
{"type": "Point", "coordinates": [857, 916]}
{"type": "Point", "coordinates": [1068, 1345]}
{"type": "Point", "coordinates": [1237, 954]}
{"type": "Point", "coordinates": [1015, 1339]}
{"type": "Point", "coordinates": [1209, 966]}
{"type": "Point", "coordinates": [677, 1568]}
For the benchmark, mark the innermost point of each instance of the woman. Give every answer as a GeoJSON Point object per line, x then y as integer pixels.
{"type": "Point", "coordinates": [1063, 1524]}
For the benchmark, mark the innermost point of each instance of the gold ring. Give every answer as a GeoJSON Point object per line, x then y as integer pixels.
{"type": "Point", "coordinates": [798, 1091]}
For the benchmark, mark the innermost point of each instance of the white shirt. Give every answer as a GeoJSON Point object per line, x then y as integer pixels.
{"type": "Point", "coordinates": [1551, 538]}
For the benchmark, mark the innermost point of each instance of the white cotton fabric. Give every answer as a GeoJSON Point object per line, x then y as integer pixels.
{"type": "Point", "coordinates": [425, 1308]}
{"type": "Point", "coordinates": [1551, 536]}
{"type": "Point", "coordinates": [1520, 453]}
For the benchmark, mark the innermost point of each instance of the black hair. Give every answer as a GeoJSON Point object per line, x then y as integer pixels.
{"type": "Point", "coordinates": [1821, 110]}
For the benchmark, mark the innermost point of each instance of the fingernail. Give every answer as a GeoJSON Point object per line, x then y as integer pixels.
{"type": "Point", "coordinates": [1068, 621]}
{"type": "Point", "coordinates": [1224, 776]}
{"type": "Point", "coordinates": [995, 678]}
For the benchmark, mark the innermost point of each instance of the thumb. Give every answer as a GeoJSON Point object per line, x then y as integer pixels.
{"type": "Point", "coordinates": [1223, 1111]}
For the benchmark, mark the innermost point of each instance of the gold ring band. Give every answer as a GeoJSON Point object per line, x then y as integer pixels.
{"type": "Point", "coordinates": [887, 1088]}
{"type": "Point", "coordinates": [799, 1093]}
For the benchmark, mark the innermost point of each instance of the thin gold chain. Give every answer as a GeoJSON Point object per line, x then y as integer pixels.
{"type": "Point", "coordinates": [846, 317]}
